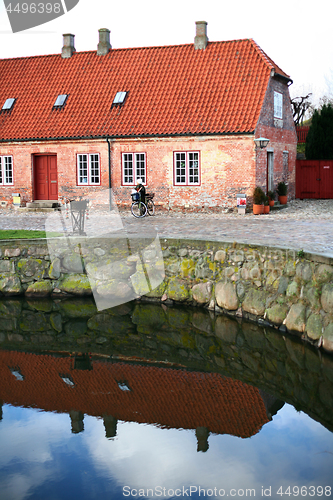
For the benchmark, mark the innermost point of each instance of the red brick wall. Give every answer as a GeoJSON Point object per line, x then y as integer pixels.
{"type": "Point", "coordinates": [282, 136]}
{"type": "Point", "coordinates": [228, 166]}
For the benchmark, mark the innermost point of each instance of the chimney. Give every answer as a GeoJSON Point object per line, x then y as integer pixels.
{"type": "Point", "coordinates": [68, 48]}
{"type": "Point", "coordinates": [104, 44]}
{"type": "Point", "coordinates": [201, 40]}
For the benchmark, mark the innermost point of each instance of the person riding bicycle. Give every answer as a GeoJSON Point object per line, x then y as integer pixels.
{"type": "Point", "coordinates": [141, 190]}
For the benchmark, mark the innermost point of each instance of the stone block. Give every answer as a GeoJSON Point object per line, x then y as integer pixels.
{"type": "Point", "coordinates": [327, 297]}
{"type": "Point", "coordinates": [226, 296]}
{"type": "Point", "coordinates": [277, 314]}
{"type": "Point", "coordinates": [255, 302]}
{"type": "Point", "coordinates": [295, 320]}
{"type": "Point", "coordinates": [314, 326]}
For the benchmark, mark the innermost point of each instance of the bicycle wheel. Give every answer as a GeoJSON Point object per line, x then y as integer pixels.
{"type": "Point", "coordinates": [150, 207]}
{"type": "Point", "coordinates": [138, 209]}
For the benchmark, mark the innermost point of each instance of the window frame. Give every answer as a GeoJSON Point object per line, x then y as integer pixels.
{"type": "Point", "coordinates": [187, 168]}
{"type": "Point", "coordinates": [3, 173]}
{"type": "Point", "coordinates": [10, 101]}
{"type": "Point", "coordinates": [89, 169]}
{"type": "Point", "coordinates": [135, 174]}
{"type": "Point", "coordinates": [62, 98]}
{"type": "Point", "coordinates": [278, 105]}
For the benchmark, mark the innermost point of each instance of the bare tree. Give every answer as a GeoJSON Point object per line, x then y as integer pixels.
{"type": "Point", "coordinates": [300, 106]}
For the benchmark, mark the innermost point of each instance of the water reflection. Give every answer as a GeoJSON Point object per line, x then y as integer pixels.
{"type": "Point", "coordinates": [144, 397]}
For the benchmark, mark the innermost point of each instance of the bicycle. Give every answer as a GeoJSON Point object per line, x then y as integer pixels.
{"type": "Point", "coordinates": [140, 209]}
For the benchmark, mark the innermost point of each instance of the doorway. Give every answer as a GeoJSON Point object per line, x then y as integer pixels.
{"type": "Point", "coordinates": [46, 177]}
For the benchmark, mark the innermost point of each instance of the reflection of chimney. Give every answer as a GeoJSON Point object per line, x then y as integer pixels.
{"type": "Point", "coordinates": [272, 404]}
{"type": "Point", "coordinates": [77, 421]}
{"type": "Point", "coordinates": [68, 48]}
{"type": "Point", "coordinates": [110, 424]}
{"type": "Point", "coordinates": [202, 434]}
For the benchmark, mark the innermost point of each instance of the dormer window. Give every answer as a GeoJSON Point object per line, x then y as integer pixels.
{"type": "Point", "coordinates": [119, 98]}
{"type": "Point", "coordinates": [8, 104]}
{"type": "Point", "coordinates": [60, 101]}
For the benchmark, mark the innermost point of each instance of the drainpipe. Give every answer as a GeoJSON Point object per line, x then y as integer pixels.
{"type": "Point", "coordinates": [109, 158]}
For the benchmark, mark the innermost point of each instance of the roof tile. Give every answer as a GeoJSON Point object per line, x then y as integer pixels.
{"type": "Point", "coordinates": [172, 90]}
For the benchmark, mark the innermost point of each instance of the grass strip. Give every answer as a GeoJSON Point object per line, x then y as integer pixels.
{"type": "Point", "coordinates": [11, 234]}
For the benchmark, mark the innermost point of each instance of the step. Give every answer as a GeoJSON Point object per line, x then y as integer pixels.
{"type": "Point", "coordinates": [43, 204]}
{"type": "Point", "coordinates": [40, 206]}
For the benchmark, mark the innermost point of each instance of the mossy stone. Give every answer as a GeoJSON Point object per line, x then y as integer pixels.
{"type": "Point", "coordinates": [39, 289]}
{"type": "Point", "coordinates": [10, 285]}
{"type": "Point", "coordinates": [33, 322]}
{"type": "Point", "coordinates": [255, 302]}
{"type": "Point", "coordinates": [76, 308]}
{"type": "Point", "coordinates": [327, 297]}
{"type": "Point", "coordinates": [54, 269]}
{"type": "Point", "coordinates": [314, 326]}
{"type": "Point", "coordinates": [295, 320]}
{"type": "Point", "coordinates": [277, 313]}
{"type": "Point", "coordinates": [323, 273]}
{"type": "Point", "coordinates": [177, 289]}
{"type": "Point", "coordinates": [76, 284]}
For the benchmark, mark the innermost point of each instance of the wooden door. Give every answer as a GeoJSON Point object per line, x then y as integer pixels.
{"type": "Point", "coordinates": [46, 177]}
{"type": "Point", "coordinates": [314, 179]}
{"type": "Point", "coordinates": [326, 178]}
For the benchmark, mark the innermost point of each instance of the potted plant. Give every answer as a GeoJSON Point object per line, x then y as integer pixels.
{"type": "Point", "coordinates": [282, 193]}
{"type": "Point", "coordinates": [266, 205]}
{"type": "Point", "coordinates": [271, 198]}
{"type": "Point", "coordinates": [258, 201]}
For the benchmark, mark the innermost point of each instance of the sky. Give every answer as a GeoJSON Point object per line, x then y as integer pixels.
{"type": "Point", "coordinates": [295, 34]}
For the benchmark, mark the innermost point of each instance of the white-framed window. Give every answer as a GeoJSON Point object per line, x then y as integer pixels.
{"type": "Point", "coordinates": [6, 170]}
{"type": "Point", "coordinates": [278, 105]}
{"type": "Point", "coordinates": [133, 168]}
{"type": "Point", "coordinates": [186, 168]}
{"type": "Point", "coordinates": [88, 169]}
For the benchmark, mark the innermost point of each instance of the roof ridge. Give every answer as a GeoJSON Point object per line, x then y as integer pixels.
{"type": "Point", "coordinates": [268, 60]}
{"type": "Point", "coordinates": [149, 47]}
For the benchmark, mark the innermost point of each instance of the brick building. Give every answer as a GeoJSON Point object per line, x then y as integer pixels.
{"type": "Point", "coordinates": [183, 118]}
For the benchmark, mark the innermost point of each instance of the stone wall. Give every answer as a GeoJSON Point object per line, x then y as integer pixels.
{"type": "Point", "coordinates": [290, 291]}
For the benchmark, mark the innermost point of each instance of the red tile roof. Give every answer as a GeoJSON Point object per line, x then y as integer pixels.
{"type": "Point", "coordinates": [171, 90]}
{"type": "Point", "coordinates": [173, 398]}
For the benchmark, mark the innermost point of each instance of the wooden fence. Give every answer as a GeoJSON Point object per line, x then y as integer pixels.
{"type": "Point", "coordinates": [302, 132]}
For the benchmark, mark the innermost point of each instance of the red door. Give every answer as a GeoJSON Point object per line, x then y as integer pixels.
{"type": "Point", "coordinates": [314, 179]}
{"type": "Point", "coordinates": [326, 178]}
{"type": "Point", "coordinates": [46, 177]}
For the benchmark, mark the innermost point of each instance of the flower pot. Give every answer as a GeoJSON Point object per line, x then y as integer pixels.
{"type": "Point", "coordinates": [266, 209]}
{"type": "Point", "coordinates": [283, 200]}
{"type": "Point", "coordinates": [258, 209]}
{"type": "Point", "coordinates": [271, 203]}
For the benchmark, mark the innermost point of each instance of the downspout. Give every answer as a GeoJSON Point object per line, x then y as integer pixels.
{"type": "Point", "coordinates": [109, 159]}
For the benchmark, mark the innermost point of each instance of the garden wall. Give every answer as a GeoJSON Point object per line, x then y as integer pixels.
{"type": "Point", "coordinates": [275, 287]}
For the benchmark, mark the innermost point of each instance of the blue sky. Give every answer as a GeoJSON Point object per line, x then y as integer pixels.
{"type": "Point", "coordinates": [295, 34]}
{"type": "Point", "coordinates": [39, 454]}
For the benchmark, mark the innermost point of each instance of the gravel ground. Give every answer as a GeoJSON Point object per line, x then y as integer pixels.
{"type": "Point", "coordinates": [304, 224]}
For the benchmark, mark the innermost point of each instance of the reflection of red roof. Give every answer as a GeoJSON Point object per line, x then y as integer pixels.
{"type": "Point", "coordinates": [168, 397]}
{"type": "Point", "coordinates": [171, 90]}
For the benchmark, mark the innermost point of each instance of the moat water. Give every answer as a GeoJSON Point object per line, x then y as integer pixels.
{"type": "Point", "coordinates": [155, 401]}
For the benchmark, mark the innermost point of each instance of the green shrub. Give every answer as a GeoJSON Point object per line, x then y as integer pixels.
{"type": "Point", "coordinates": [282, 189]}
{"type": "Point", "coordinates": [258, 196]}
